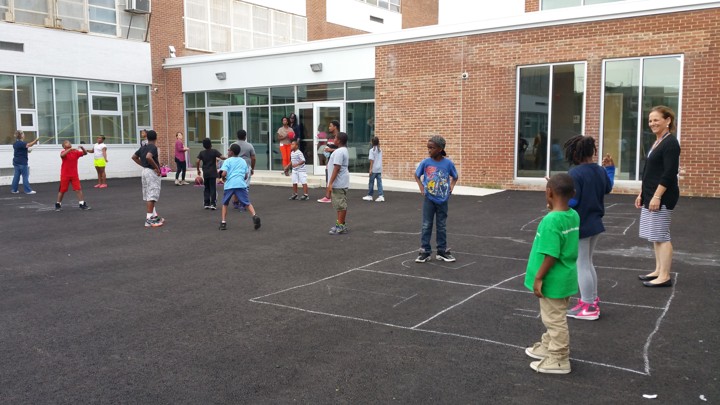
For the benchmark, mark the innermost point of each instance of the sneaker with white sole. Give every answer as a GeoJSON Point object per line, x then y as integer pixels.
{"type": "Point", "coordinates": [423, 257]}
{"type": "Point", "coordinates": [152, 223]}
{"type": "Point", "coordinates": [324, 200]}
{"type": "Point", "coordinates": [338, 230]}
{"type": "Point", "coordinates": [31, 192]}
{"type": "Point", "coordinates": [445, 256]}
{"type": "Point", "coordinates": [585, 311]}
{"type": "Point", "coordinates": [367, 198]}
{"type": "Point", "coordinates": [380, 199]}
{"type": "Point", "coordinates": [550, 365]}
{"type": "Point", "coordinates": [537, 351]}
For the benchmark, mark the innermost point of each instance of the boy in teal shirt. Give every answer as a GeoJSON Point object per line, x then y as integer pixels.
{"type": "Point", "coordinates": [552, 275]}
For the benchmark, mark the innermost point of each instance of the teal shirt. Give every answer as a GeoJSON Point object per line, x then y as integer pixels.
{"type": "Point", "coordinates": [557, 236]}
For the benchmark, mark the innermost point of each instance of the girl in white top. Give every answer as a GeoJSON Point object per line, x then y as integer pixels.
{"type": "Point", "coordinates": [99, 152]}
{"type": "Point", "coordinates": [375, 158]}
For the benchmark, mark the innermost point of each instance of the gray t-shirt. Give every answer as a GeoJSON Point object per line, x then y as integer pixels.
{"type": "Point", "coordinates": [246, 151]}
{"type": "Point", "coordinates": [375, 155]}
{"type": "Point", "coordinates": [340, 157]}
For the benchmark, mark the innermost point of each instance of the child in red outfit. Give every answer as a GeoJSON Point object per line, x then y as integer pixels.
{"type": "Point", "coordinates": [69, 174]}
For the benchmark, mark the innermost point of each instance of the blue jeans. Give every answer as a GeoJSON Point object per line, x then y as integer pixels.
{"type": "Point", "coordinates": [373, 177]}
{"type": "Point", "coordinates": [439, 212]}
{"type": "Point", "coordinates": [23, 170]}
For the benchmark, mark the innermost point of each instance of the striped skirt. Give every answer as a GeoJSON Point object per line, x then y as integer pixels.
{"type": "Point", "coordinates": [655, 225]}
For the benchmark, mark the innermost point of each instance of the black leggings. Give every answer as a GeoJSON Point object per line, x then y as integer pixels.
{"type": "Point", "coordinates": [210, 192]}
{"type": "Point", "coordinates": [181, 168]}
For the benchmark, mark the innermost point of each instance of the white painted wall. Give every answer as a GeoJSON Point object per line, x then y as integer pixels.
{"type": "Point", "coordinates": [53, 52]}
{"type": "Point", "coordinates": [461, 11]}
{"type": "Point", "coordinates": [44, 161]}
{"type": "Point", "coordinates": [281, 69]}
{"type": "Point", "coordinates": [355, 14]}
{"type": "Point", "coordinates": [288, 6]}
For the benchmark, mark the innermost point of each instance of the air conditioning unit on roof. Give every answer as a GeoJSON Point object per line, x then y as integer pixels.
{"type": "Point", "coordinates": [138, 6]}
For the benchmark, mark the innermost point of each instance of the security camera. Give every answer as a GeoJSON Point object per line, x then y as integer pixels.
{"type": "Point", "coordinates": [171, 50]}
{"type": "Point", "coordinates": [465, 75]}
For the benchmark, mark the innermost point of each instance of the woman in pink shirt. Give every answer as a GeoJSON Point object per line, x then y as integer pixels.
{"type": "Point", "coordinates": [180, 150]}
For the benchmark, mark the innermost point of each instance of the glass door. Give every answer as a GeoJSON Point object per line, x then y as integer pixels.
{"type": "Point", "coordinates": [306, 119]}
{"type": "Point", "coordinates": [324, 113]}
{"type": "Point", "coordinates": [222, 127]}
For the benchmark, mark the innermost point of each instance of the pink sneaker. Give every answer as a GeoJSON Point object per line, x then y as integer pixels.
{"type": "Point", "coordinates": [585, 311]}
{"type": "Point", "coordinates": [324, 200]}
{"type": "Point", "coordinates": [103, 186]}
{"type": "Point", "coordinates": [97, 185]}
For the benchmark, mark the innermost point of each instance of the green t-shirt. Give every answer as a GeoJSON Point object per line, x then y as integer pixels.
{"type": "Point", "coordinates": [557, 236]}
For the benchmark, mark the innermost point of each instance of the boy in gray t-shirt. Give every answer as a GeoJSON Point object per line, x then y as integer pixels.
{"type": "Point", "coordinates": [339, 182]}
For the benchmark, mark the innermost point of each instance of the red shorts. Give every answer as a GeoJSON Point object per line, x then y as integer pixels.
{"type": "Point", "coordinates": [65, 182]}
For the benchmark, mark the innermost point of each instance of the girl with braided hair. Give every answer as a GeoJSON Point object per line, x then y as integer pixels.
{"type": "Point", "coordinates": [592, 182]}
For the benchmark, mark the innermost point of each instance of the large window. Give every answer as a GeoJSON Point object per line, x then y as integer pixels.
{"type": "Point", "coordinates": [78, 110]}
{"type": "Point", "coordinates": [232, 25]}
{"type": "Point", "coordinates": [94, 16]}
{"type": "Point", "coordinates": [544, 123]}
{"type": "Point", "coordinates": [631, 88]}
{"type": "Point", "coordinates": [551, 4]}
{"type": "Point", "coordinates": [392, 5]}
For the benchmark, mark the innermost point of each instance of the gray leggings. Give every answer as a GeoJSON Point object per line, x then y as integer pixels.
{"type": "Point", "coordinates": [587, 277]}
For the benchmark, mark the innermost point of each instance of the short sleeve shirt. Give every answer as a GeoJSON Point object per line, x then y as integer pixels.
{"type": "Point", "coordinates": [435, 177]}
{"type": "Point", "coordinates": [557, 236]}
{"type": "Point", "coordinates": [296, 157]}
{"type": "Point", "coordinates": [69, 167]}
{"type": "Point", "coordinates": [20, 155]}
{"type": "Point", "coordinates": [247, 151]}
{"type": "Point", "coordinates": [209, 157]}
{"type": "Point", "coordinates": [98, 149]}
{"type": "Point", "coordinates": [375, 155]}
{"type": "Point", "coordinates": [142, 154]}
{"type": "Point", "coordinates": [236, 169]}
{"type": "Point", "coordinates": [340, 158]}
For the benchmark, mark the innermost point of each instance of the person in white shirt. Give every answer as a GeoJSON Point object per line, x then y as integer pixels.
{"type": "Point", "coordinates": [99, 151]}
{"type": "Point", "coordinates": [299, 173]}
{"type": "Point", "coordinates": [375, 158]}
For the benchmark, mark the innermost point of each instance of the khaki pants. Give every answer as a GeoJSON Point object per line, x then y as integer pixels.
{"type": "Point", "coordinates": [557, 337]}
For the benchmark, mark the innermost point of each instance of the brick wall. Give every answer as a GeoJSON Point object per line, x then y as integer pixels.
{"type": "Point", "coordinates": [419, 92]}
{"type": "Point", "coordinates": [419, 13]}
{"type": "Point", "coordinates": [317, 25]}
{"type": "Point", "coordinates": [167, 28]}
{"type": "Point", "coordinates": [532, 5]}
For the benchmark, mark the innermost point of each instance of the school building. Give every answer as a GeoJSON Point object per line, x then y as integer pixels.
{"type": "Point", "coordinates": [505, 92]}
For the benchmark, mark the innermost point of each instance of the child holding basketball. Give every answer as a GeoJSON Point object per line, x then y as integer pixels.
{"type": "Point", "coordinates": [552, 275]}
{"type": "Point", "coordinates": [235, 173]}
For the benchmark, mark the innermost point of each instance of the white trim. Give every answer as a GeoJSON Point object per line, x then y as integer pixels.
{"type": "Point", "coordinates": [549, 18]}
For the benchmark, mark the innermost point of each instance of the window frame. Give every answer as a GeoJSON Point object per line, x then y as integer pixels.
{"type": "Point", "coordinates": [642, 120]}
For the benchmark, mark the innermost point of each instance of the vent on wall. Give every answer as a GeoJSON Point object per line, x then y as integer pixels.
{"type": "Point", "coordinates": [377, 19]}
{"type": "Point", "coordinates": [12, 46]}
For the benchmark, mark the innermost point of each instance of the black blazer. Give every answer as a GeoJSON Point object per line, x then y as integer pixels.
{"type": "Point", "coordinates": [662, 168]}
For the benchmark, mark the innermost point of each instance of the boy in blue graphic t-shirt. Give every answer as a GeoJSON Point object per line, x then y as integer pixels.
{"type": "Point", "coordinates": [436, 177]}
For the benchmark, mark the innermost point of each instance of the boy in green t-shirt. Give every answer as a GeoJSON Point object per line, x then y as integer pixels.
{"type": "Point", "coordinates": [552, 275]}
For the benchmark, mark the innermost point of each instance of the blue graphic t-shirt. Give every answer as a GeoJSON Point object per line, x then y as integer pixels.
{"type": "Point", "coordinates": [436, 176]}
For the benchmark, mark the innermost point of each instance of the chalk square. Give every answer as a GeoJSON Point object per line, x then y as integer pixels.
{"type": "Point", "coordinates": [377, 297]}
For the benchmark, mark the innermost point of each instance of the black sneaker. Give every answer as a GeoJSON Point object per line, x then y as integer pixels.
{"type": "Point", "coordinates": [445, 256]}
{"type": "Point", "coordinates": [293, 197]}
{"type": "Point", "coordinates": [84, 207]}
{"type": "Point", "coordinates": [256, 222]}
{"type": "Point", "coordinates": [305, 197]}
{"type": "Point", "coordinates": [207, 207]}
{"type": "Point", "coordinates": [423, 257]}
{"type": "Point", "coordinates": [213, 207]}
{"type": "Point", "coordinates": [58, 207]}
{"type": "Point", "coordinates": [223, 226]}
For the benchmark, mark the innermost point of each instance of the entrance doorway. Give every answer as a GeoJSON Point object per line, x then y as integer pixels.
{"type": "Point", "coordinates": [221, 127]}
{"type": "Point", "coordinates": [323, 113]}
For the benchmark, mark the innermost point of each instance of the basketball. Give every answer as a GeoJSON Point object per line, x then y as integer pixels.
{"type": "Point", "coordinates": [198, 181]}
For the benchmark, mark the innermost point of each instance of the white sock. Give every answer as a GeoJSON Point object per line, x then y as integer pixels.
{"type": "Point", "coordinates": [82, 202]}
